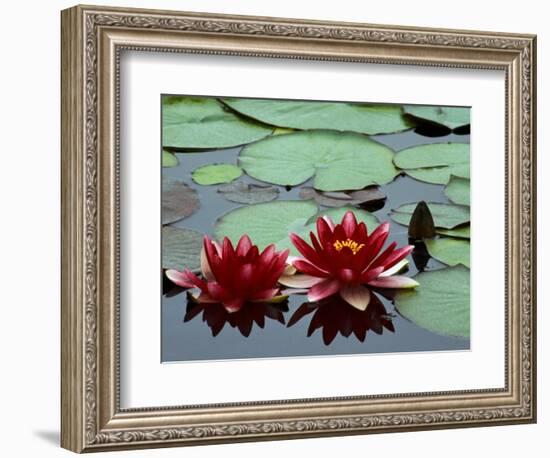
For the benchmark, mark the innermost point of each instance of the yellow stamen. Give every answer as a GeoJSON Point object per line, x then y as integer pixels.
{"type": "Point", "coordinates": [351, 244]}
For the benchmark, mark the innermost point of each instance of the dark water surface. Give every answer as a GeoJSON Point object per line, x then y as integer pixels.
{"type": "Point", "coordinates": [193, 340]}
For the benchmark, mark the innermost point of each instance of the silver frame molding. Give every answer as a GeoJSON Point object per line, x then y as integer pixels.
{"type": "Point", "coordinates": [92, 40]}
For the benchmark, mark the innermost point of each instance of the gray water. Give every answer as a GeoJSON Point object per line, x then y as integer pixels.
{"type": "Point", "coordinates": [193, 340]}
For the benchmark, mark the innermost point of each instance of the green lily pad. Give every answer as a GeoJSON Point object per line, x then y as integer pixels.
{"type": "Point", "coordinates": [203, 122]}
{"type": "Point", "coordinates": [357, 117]}
{"type": "Point", "coordinates": [444, 215]}
{"type": "Point", "coordinates": [462, 232]}
{"type": "Point", "coordinates": [169, 159]}
{"type": "Point", "coordinates": [178, 200]}
{"type": "Point", "coordinates": [458, 191]}
{"type": "Point", "coordinates": [216, 174]}
{"type": "Point", "coordinates": [436, 162]}
{"type": "Point", "coordinates": [449, 251]}
{"type": "Point", "coordinates": [336, 160]}
{"type": "Point", "coordinates": [250, 194]}
{"type": "Point", "coordinates": [451, 117]}
{"type": "Point", "coordinates": [181, 248]}
{"type": "Point", "coordinates": [265, 223]}
{"type": "Point", "coordinates": [441, 302]}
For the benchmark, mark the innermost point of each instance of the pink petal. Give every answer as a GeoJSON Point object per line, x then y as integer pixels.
{"type": "Point", "coordinates": [395, 281]}
{"type": "Point", "coordinates": [323, 289]}
{"type": "Point", "coordinates": [186, 279]}
{"type": "Point", "coordinates": [205, 266]}
{"type": "Point", "coordinates": [395, 269]}
{"type": "Point", "coordinates": [357, 296]}
{"type": "Point", "coordinates": [299, 280]}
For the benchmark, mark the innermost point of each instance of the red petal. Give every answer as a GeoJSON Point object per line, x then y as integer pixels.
{"type": "Point", "coordinates": [216, 291]}
{"type": "Point", "coordinates": [307, 252]}
{"type": "Point", "coordinates": [323, 289]}
{"type": "Point", "coordinates": [324, 231]}
{"type": "Point", "coordinates": [381, 258]}
{"type": "Point", "coordinates": [371, 274]}
{"type": "Point", "coordinates": [244, 245]}
{"type": "Point", "coordinates": [205, 266]}
{"type": "Point", "coordinates": [265, 294]}
{"type": "Point", "coordinates": [357, 296]}
{"type": "Point", "coordinates": [228, 252]}
{"type": "Point", "coordinates": [309, 269]}
{"type": "Point", "coordinates": [349, 223]}
{"type": "Point", "coordinates": [397, 256]}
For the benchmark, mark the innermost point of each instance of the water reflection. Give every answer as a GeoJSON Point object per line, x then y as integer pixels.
{"type": "Point", "coordinates": [216, 316]}
{"type": "Point", "coordinates": [333, 315]}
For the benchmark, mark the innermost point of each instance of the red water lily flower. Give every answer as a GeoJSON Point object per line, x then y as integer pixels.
{"type": "Point", "coordinates": [345, 259]}
{"type": "Point", "coordinates": [234, 276]}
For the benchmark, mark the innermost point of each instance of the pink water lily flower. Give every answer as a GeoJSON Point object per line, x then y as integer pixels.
{"type": "Point", "coordinates": [343, 258]}
{"type": "Point", "coordinates": [234, 276]}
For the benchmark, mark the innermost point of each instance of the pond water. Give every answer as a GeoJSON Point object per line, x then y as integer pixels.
{"type": "Point", "coordinates": [192, 340]}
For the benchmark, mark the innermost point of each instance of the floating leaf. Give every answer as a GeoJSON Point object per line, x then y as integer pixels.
{"type": "Point", "coordinates": [436, 162]}
{"type": "Point", "coordinates": [178, 200]}
{"type": "Point", "coordinates": [421, 224]}
{"type": "Point", "coordinates": [462, 232]}
{"type": "Point", "coordinates": [358, 117]}
{"type": "Point", "coordinates": [169, 159]}
{"type": "Point", "coordinates": [337, 161]}
{"type": "Point", "coordinates": [451, 117]}
{"type": "Point", "coordinates": [441, 303]}
{"type": "Point", "coordinates": [248, 193]}
{"type": "Point", "coordinates": [216, 174]}
{"type": "Point", "coordinates": [458, 191]}
{"type": "Point", "coordinates": [181, 248]}
{"type": "Point", "coordinates": [449, 251]}
{"type": "Point", "coordinates": [444, 215]}
{"type": "Point", "coordinates": [203, 122]}
{"type": "Point", "coordinates": [339, 199]}
{"type": "Point", "coordinates": [265, 223]}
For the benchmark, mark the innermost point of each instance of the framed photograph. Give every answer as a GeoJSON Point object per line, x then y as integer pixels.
{"type": "Point", "coordinates": [278, 228]}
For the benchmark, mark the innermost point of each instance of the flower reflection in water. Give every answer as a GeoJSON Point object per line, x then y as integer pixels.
{"type": "Point", "coordinates": [215, 315]}
{"type": "Point", "coordinates": [334, 315]}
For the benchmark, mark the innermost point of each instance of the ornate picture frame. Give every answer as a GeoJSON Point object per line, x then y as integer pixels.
{"type": "Point", "coordinates": [92, 41]}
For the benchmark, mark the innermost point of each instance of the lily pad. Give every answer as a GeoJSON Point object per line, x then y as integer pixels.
{"type": "Point", "coordinates": [436, 162]}
{"type": "Point", "coordinates": [336, 161]}
{"type": "Point", "coordinates": [441, 302]}
{"type": "Point", "coordinates": [357, 117]}
{"type": "Point", "coordinates": [178, 200]}
{"type": "Point", "coordinates": [462, 232]}
{"type": "Point", "coordinates": [340, 199]}
{"type": "Point", "coordinates": [169, 159]}
{"type": "Point", "coordinates": [216, 174]}
{"type": "Point", "coordinates": [265, 223]}
{"type": "Point", "coordinates": [449, 251]}
{"type": "Point", "coordinates": [444, 215]}
{"type": "Point", "coordinates": [181, 248]}
{"type": "Point", "coordinates": [203, 122]}
{"type": "Point", "coordinates": [250, 194]}
{"type": "Point", "coordinates": [458, 191]}
{"type": "Point", "coordinates": [451, 117]}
